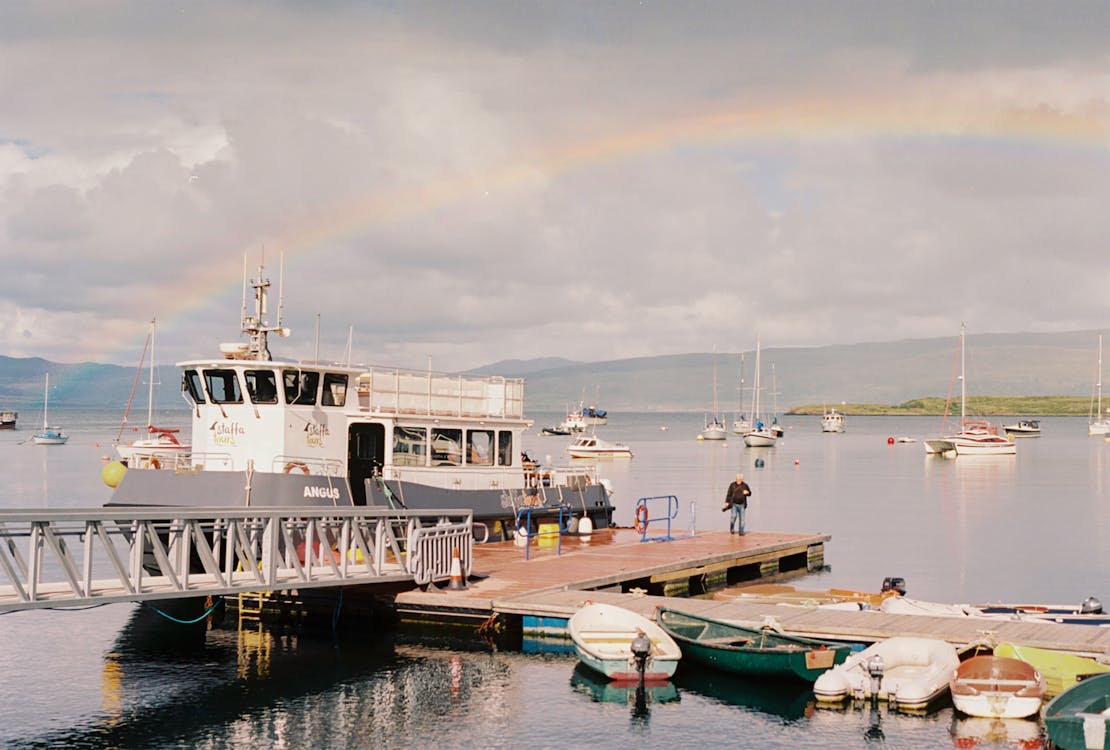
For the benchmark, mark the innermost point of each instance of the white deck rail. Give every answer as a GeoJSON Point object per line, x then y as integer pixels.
{"type": "Point", "coordinates": [51, 559]}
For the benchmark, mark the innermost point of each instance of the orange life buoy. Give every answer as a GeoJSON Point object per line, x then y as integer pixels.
{"type": "Point", "coordinates": [641, 519]}
{"type": "Point", "coordinates": [296, 465]}
{"type": "Point", "coordinates": [154, 463]}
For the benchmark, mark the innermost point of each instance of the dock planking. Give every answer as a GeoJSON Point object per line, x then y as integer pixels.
{"type": "Point", "coordinates": [613, 567]}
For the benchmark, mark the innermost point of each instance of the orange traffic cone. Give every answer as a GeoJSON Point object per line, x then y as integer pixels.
{"type": "Point", "coordinates": [456, 583]}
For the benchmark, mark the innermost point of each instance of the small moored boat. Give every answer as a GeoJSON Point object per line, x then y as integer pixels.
{"type": "Point", "coordinates": [832, 421]}
{"type": "Point", "coordinates": [909, 672]}
{"type": "Point", "coordinates": [1023, 428]}
{"type": "Point", "coordinates": [591, 446]}
{"type": "Point", "coordinates": [48, 435]}
{"type": "Point", "coordinates": [750, 651]}
{"type": "Point", "coordinates": [1060, 670]}
{"type": "Point", "coordinates": [993, 686]}
{"type": "Point", "coordinates": [1079, 718]}
{"type": "Point", "coordinates": [603, 638]}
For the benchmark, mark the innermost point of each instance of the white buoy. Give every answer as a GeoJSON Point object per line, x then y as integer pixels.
{"type": "Point", "coordinates": [585, 526]}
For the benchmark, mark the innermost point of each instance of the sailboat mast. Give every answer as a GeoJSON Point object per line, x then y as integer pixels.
{"type": "Point", "coordinates": [1099, 384]}
{"type": "Point", "coordinates": [755, 385]}
{"type": "Point", "coordinates": [45, 401]}
{"type": "Point", "coordinates": [963, 380]}
{"type": "Point", "coordinates": [150, 385]}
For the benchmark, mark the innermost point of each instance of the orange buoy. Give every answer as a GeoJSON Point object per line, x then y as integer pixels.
{"type": "Point", "coordinates": [890, 441]}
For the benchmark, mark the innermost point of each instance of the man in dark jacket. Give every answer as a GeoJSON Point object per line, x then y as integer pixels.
{"type": "Point", "coordinates": [737, 499]}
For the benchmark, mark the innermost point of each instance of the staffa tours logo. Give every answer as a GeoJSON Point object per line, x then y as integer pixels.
{"type": "Point", "coordinates": [226, 433]}
{"type": "Point", "coordinates": [314, 434]}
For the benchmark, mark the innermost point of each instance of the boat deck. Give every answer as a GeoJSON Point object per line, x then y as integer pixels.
{"type": "Point", "coordinates": [613, 567]}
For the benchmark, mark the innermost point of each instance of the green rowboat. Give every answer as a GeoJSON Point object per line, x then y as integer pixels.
{"type": "Point", "coordinates": [1079, 717]}
{"type": "Point", "coordinates": [749, 651]}
{"type": "Point", "coordinates": [1060, 670]}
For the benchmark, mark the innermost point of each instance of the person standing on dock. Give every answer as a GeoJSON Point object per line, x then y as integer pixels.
{"type": "Point", "coordinates": [736, 499]}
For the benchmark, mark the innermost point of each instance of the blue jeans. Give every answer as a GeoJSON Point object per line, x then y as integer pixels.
{"type": "Point", "coordinates": [736, 518]}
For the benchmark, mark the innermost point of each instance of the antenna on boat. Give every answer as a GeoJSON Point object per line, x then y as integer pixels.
{"type": "Point", "coordinates": [255, 326]}
{"type": "Point", "coordinates": [350, 341]}
{"type": "Point", "coordinates": [316, 355]}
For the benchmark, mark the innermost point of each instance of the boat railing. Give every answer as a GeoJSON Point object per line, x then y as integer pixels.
{"type": "Point", "coordinates": [152, 458]}
{"type": "Point", "coordinates": [212, 460]}
{"type": "Point", "coordinates": [286, 464]}
{"type": "Point", "coordinates": [395, 391]}
{"type": "Point", "coordinates": [655, 510]}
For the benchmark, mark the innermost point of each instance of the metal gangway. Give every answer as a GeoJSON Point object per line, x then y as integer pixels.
{"type": "Point", "coordinates": [78, 558]}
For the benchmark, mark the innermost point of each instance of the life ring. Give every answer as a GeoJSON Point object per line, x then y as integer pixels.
{"type": "Point", "coordinates": [296, 465]}
{"type": "Point", "coordinates": [589, 481]}
{"type": "Point", "coordinates": [640, 522]}
{"type": "Point", "coordinates": [154, 463]}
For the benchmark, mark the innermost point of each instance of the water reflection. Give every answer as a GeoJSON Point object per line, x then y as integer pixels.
{"type": "Point", "coordinates": [639, 697]}
{"type": "Point", "coordinates": [970, 731]}
{"type": "Point", "coordinates": [784, 699]}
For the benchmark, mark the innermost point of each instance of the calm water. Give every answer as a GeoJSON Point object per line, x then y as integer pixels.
{"type": "Point", "coordinates": [1032, 527]}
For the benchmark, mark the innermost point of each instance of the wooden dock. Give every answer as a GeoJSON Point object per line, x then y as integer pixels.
{"type": "Point", "coordinates": [536, 596]}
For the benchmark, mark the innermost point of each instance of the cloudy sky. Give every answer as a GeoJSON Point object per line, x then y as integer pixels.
{"type": "Point", "coordinates": [593, 180]}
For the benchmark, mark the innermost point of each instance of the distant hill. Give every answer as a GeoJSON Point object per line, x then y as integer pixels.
{"type": "Point", "coordinates": [1025, 364]}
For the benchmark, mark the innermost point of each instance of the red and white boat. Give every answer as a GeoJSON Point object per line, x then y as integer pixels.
{"type": "Point", "coordinates": [997, 687]}
{"type": "Point", "coordinates": [160, 449]}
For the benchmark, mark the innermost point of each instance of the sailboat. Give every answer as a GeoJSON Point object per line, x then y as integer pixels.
{"type": "Point", "coordinates": [760, 436]}
{"type": "Point", "coordinates": [161, 447]}
{"type": "Point", "coordinates": [1097, 423]}
{"type": "Point", "coordinates": [776, 428]}
{"type": "Point", "coordinates": [977, 437]}
{"type": "Point", "coordinates": [715, 427]}
{"type": "Point", "coordinates": [49, 435]}
{"type": "Point", "coordinates": [740, 423]}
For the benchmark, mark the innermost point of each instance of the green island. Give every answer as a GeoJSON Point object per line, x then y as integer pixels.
{"type": "Point", "coordinates": [979, 406]}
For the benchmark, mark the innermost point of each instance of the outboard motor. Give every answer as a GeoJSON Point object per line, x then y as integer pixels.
{"type": "Point", "coordinates": [641, 647]}
{"type": "Point", "coordinates": [1090, 606]}
{"type": "Point", "coordinates": [896, 584]}
{"type": "Point", "coordinates": [875, 668]}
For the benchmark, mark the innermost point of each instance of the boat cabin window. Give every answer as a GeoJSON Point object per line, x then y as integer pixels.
{"type": "Point", "coordinates": [262, 386]}
{"type": "Point", "coordinates": [223, 386]}
{"type": "Point", "coordinates": [504, 448]}
{"type": "Point", "coordinates": [190, 384]}
{"type": "Point", "coordinates": [300, 386]}
{"type": "Point", "coordinates": [446, 447]}
{"type": "Point", "coordinates": [479, 447]}
{"type": "Point", "coordinates": [335, 389]}
{"type": "Point", "coordinates": [410, 446]}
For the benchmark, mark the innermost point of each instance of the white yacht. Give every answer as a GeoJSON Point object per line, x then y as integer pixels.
{"type": "Point", "coordinates": [290, 433]}
{"type": "Point", "coordinates": [1097, 423]}
{"type": "Point", "coordinates": [591, 446]}
{"type": "Point", "coordinates": [760, 435]}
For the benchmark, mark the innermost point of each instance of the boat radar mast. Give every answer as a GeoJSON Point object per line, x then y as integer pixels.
{"type": "Point", "coordinates": [255, 326]}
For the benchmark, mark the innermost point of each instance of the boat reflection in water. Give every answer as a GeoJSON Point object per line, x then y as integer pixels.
{"type": "Point", "coordinates": [970, 731]}
{"type": "Point", "coordinates": [784, 699]}
{"type": "Point", "coordinates": [628, 692]}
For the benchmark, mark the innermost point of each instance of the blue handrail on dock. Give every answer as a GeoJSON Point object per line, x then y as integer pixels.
{"type": "Point", "coordinates": [647, 514]}
{"type": "Point", "coordinates": [526, 513]}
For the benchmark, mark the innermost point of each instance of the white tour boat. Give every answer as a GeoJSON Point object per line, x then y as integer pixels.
{"type": "Point", "coordinates": [292, 433]}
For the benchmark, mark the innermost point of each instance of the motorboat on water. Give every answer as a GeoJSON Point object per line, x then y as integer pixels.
{"type": "Point", "coordinates": [604, 636]}
{"type": "Point", "coordinates": [48, 435]}
{"type": "Point", "coordinates": [1089, 612]}
{"type": "Point", "coordinates": [277, 432]}
{"type": "Point", "coordinates": [161, 448]}
{"type": "Point", "coordinates": [591, 446]}
{"type": "Point", "coordinates": [1023, 428]}
{"type": "Point", "coordinates": [976, 437]}
{"type": "Point", "coordinates": [8, 419]}
{"type": "Point", "coordinates": [832, 421]}
{"type": "Point", "coordinates": [908, 672]}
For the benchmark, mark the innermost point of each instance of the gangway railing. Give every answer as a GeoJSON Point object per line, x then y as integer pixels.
{"type": "Point", "coordinates": [524, 526]}
{"type": "Point", "coordinates": [651, 510]}
{"type": "Point", "coordinates": [82, 557]}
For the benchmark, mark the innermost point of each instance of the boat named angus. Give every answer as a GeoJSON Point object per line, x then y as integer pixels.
{"type": "Point", "coordinates": [287, 433]}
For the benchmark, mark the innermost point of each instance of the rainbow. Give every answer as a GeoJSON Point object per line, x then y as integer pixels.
{"type": "Point", "coordinates": [812, 119]}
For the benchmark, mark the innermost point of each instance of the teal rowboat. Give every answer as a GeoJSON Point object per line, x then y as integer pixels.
{"type": "Point", "coordinates": [1079, 717]}
{"type": "Point", "coordinates": [749, 651]}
